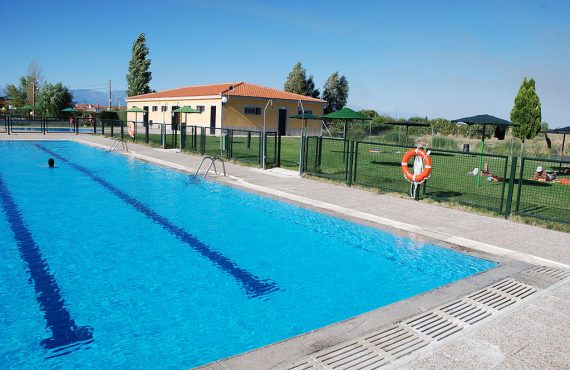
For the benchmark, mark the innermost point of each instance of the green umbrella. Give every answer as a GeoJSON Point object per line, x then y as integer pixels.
{"type": "Point", "coordinates": [484, 120]}
{"type": "Point", "coordinates": [28, 107]}
{"type": "Point", "coordinates": [136, 110]}
{"type": "Point", "coordinates": [70, 110]}
{"type": "Point", "coordinates": [346, 114]}
{"type": "Point", "coordinates": [186, 109]}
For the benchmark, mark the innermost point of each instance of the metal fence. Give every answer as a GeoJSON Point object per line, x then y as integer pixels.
{"type": "Point", "coordinates": [548, 200]}
{"type": "Point", "coordinates": [487, 181]}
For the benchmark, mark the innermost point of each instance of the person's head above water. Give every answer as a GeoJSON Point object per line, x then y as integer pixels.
{"type": "Point", "coordinates": [51, 162]}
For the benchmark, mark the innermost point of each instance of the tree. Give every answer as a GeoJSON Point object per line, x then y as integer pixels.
{"type": "Point", "coordinates": [34, 83]}
{"type": "Point", "coordinates": [28, 90]}
{"type": "Point", "coordinates": [139, 76]}
{"type": "Point", "coordinates": [310, 88]}
{"type": "Point", "coordinates": [296, 80]}
{"type": "Point", "coordinates": [298, 83]}
{"type": "Point", "coordinates": [526, 115]}
{"type": "Point", "coordinates": [17, 95]}
{"type": "Point", "coordinates": [53, 98]}
{"type": "Point", "coordinates": [335, 92]}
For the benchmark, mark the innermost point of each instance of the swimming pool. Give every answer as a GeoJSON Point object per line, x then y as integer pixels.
{"type": "Point", "coordinates": [113, 262]}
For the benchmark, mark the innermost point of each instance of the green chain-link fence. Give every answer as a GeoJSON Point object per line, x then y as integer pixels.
{"type": "Point", "coordinates": [547, 196]}
{"type": "Point", "coordinates": [487, 181]}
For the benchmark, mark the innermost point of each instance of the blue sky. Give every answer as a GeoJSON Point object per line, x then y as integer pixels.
{"type": "Point", "coordinates": [436, 58]}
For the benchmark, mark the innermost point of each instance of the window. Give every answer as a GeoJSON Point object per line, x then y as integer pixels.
{"type": "Point", "coordinates": [174, 107]}
{"type": "Point", "coordinates": [307, 112]}
{"type": "Point", "coordinates": [155, 108]}
{"type": "Point", "coordinates": [201, 108]}
{"type": "Point", "coordinates": [164, 108]}
{"type": "Point", "coordinates": [253, 110]}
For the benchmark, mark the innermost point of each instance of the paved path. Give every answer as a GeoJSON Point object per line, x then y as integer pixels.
{"type": "Point", "coordinates": [532, 336]}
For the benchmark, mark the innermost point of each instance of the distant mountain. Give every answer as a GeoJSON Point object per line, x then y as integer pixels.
{"type": "Point", "coordinates": [100, 97]}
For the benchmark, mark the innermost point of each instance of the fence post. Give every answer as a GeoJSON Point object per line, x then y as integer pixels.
{"type": "Point", "coordinates": [76, 124]}
{"type": "Point", "coordinates": [278, 143]}
{"type": "Point", "coordinates": [521, 175]}
{"type": "Point", "coordinates": [202, 140]}
{"type": "Point", "coordinates": [504, 184]}
{"type": "Point", "coordinates": [146, 132]}
{"type": "Point", "coordinates": [350, 157]}
{"type": "Point", "coordinates": [182, 136]}
{"type": "Point", "coordinates": [355, 162]}
{"type": "Point", "coordinates": [345, 155]}
{"type": "Point", "coordinates": [302, 159]}
{"type": "Point", "coordinates": [511, 186]}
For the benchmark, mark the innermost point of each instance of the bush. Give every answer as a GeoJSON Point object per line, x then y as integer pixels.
{"type": "Point", "coordinates": [444, 142]}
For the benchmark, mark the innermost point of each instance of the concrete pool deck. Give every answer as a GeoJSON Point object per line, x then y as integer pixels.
{"type": "Point", "coordinates": [532, 334]}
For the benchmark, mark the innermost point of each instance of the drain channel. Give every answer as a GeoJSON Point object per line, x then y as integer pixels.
{"type": "Point", "coordinates": [400, 339]}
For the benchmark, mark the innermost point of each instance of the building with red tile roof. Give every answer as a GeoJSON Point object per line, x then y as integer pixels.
{"type": "Point", "coordinates": [237, 105]}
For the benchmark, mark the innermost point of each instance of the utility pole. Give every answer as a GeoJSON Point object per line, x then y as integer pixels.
{"type": "Point", "coordinates": [33, 99]}
{"type": "Point", "coordinates": [110, 96]}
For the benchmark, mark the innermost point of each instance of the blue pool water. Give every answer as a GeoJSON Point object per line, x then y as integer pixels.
{"type": "Point", "coordinates": [109, 262]}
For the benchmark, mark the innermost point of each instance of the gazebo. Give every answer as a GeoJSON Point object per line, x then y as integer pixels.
{"type": "Point", "coordinates": [484, 120]}
{"type": "Point", "coordinates": [185, 109]}
{"type": "Point", "coordinates": [560, 131]}
{"type": "Point", "coordinates": [346, 115]}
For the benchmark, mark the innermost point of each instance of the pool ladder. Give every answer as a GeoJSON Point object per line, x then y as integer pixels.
{"type": "Point", "coordinates": [212, 164]}
{"type": "Point", "coordinates": [116, 143]}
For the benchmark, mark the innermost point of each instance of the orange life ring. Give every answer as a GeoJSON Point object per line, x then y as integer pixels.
{"type": "Point", "coordinates": [427, 165]}
{"type": "Point", "coordinates": [132, 129]}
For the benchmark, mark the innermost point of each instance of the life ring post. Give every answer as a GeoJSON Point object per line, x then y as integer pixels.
{"type": "Point", "coordinates": [417, 178]}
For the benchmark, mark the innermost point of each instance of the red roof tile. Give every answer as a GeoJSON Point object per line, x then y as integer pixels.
{"type": "Point", "coordinates": [232, 89]}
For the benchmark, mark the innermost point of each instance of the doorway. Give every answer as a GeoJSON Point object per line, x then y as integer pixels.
{"type": "Point", "coordinates": [213, 120]}
{"type": "Point", "coordinates": [282, 123]}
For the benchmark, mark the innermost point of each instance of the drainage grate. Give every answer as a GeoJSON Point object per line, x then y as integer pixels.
{"type": "Point", "coordinates": [548, 273]}
{"type": "Point", "coordinates": [356, 355]}
{"type": "Point", "coordinates": [434, 325]}
{"type": "Point", "coordinates": [398, 340]}
{"type": "Point", "coordinates": [502, 294]}
{"type": "Point", "coordinates": [466, 311]}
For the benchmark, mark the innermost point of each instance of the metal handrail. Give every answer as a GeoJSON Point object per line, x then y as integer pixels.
{"type": "Point", "coordinates": [212, 163]}
{"type": "Point", "coordinates": [115, 145]}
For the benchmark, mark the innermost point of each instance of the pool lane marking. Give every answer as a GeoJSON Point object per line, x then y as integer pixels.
{"type": "Point", "coordinates": [254, 286]}
{"type": "Point", "coordinates": [65, 331]}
